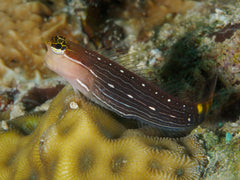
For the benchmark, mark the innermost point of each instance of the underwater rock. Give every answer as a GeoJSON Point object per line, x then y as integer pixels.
{"type": "Point", "coordinates": [37, 96]}
{"type": "Point", "coordinates": [75, 139]}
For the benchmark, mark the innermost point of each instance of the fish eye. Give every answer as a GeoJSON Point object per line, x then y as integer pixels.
{"type": "Point", "coordinates": [58, 44]}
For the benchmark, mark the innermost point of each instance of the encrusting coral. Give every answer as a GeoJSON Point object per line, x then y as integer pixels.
{"type": "Point", "coordinates": [75, 139]}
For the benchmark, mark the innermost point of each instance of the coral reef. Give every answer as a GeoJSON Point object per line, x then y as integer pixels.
{"type": "Point", "coordinates": [222, 148]}
{"type": "Point", "coordinates": [214, 36]}
{"type": "Point", "coordinates": [25, 27]}
{"type": "Point", "coordinates": [136, 18]}
{"type": "Point", "coordinates": [75, 139]}
{"type": "Point", "coordinates": [146, 15]}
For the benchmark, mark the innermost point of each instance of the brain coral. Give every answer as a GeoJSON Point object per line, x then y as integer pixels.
{"type": "Point", "coordinates": [75, 139]}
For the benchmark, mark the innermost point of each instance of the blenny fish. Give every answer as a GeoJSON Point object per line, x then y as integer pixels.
{"type": "Point", "coordinates": [119, 90]}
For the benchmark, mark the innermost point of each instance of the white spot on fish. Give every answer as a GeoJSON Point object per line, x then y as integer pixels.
{"type": "Point", "coordinates": [169, 100]}
{"type": "Point", "coordinates": [110, 64]}
{"type": "Point", "coordinates": [98, 58]}
{"type": "Point", "coordinates": [110, 85]}
{"type": "Point", "coordinates": [122, 71]}
{"type": "Point", "coordinates": [184, 105]}
{"type": "Point", "coordinates": [132, 77]}
{"type": "Point", "coordinates": [172, 116]}
{"type": "Point", "coordinates": [152, 108]}
{"type": "Point", "coordinates": [86, 52]}
{"type": "Point", "coordinates": [156, 92]}
{"type": "Point", "coordinates": [130, 96]}
{"type": "Point", "coordinates": [189, 119]}
{"type": "Point", "coordinates": [143, 85]}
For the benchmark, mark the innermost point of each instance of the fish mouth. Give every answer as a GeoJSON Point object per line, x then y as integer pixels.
{"type": "Point", "coordinates": [48, 57]}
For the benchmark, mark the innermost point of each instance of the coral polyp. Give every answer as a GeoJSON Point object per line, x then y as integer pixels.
{"type": "Point", "coordinates": [85, 142]}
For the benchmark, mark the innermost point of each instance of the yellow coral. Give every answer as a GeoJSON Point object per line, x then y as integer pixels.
{"type": "Point", "coordinates": [8, 146]}
{"type": "Point", "coordinates": [75, 139]}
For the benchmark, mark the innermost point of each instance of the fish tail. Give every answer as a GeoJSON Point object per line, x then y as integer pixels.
{"type": "Point", "coordinates": [204, 106]}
